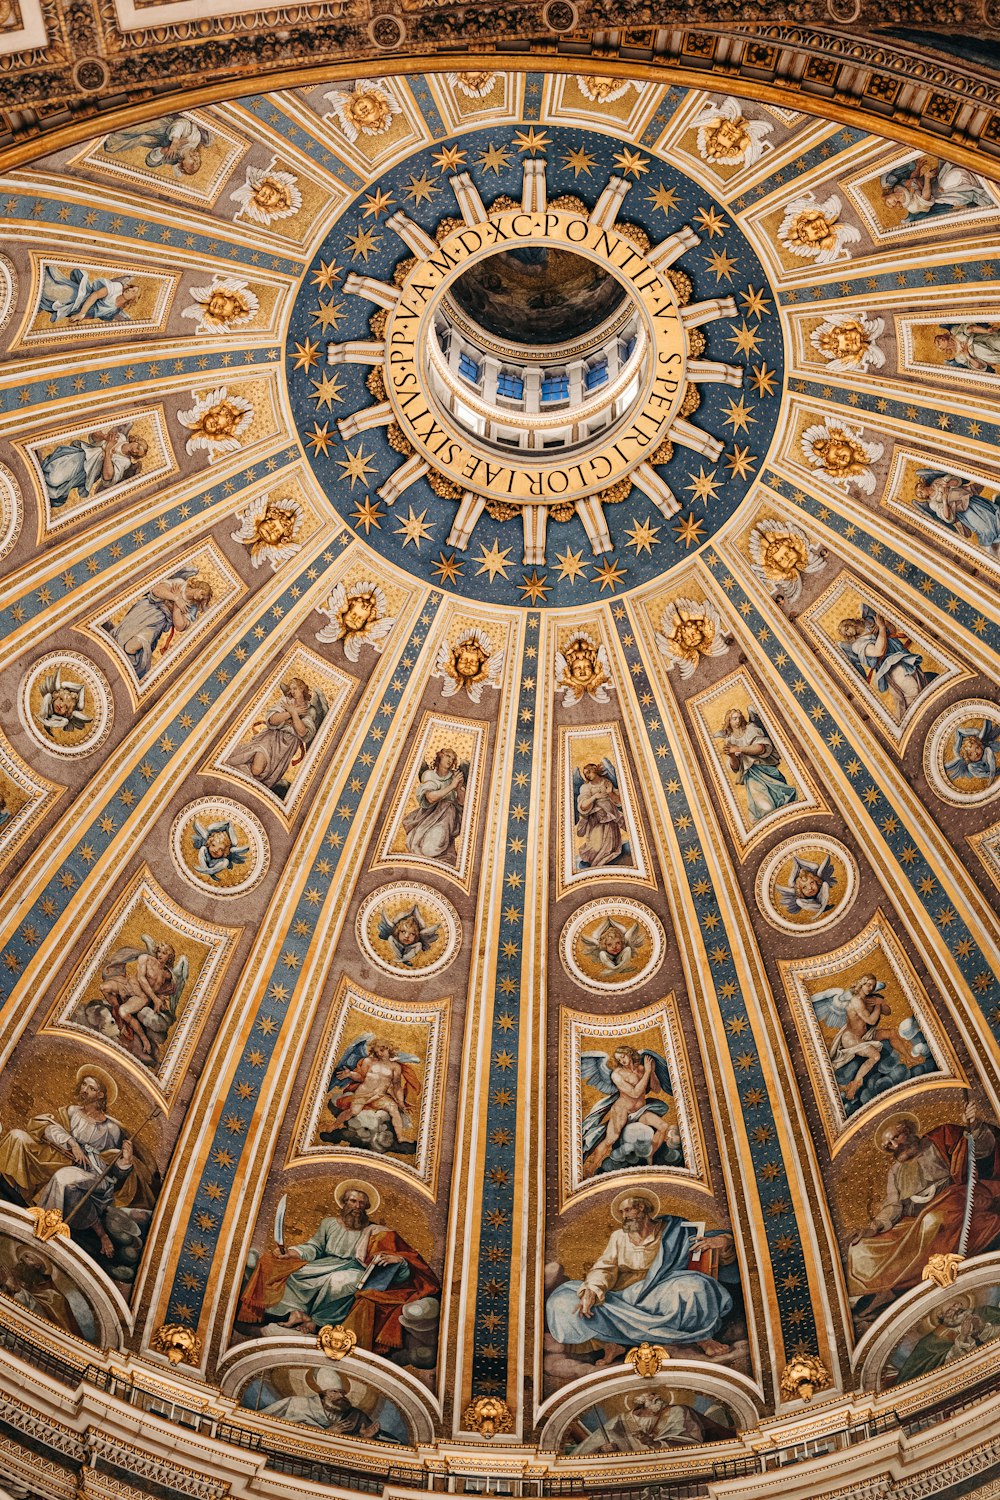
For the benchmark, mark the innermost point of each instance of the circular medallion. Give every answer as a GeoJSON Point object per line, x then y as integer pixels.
{"type": "Point", "coordinates": [546, 356]}
{"type": "Point", "coordinates": [219, 846]}
{"type": "Point", "coordinates": [807, 884]}
{"type": "Point", "coordinates": [408, 931]}
{"type": "Point", "coordinates": [10, 511]}
{"type": "Point", "coordinates": [962, 753]}
{"type": "Point", "coordinates": [612, 944]}
{"type": "Point", "coordinates": [65, 704]}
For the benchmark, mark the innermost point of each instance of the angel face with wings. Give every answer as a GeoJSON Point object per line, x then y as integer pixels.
{"type": "Point", "coordinates": [470, 665]}
{"type": "Point", "coordinates": [64, 704]}
{"type": "Point", "coordinates": [809, 887]}
{"type": "Point", "coordinates": [627, 1124]}
{"type": "Point", "coordinates": [217, 848]}
{"type": "Point", "coordinates": [358, 615]}
{"type": "Point", "coordinates": [142, 989]}
{"type": "Point", "coordinates": [600, 821]}
{"type": "Point", "coordinates": [615, 946]}
{"type": "Point", "coordinates": [583, 671]}
{"type": "Point", "coordinates": [407, 933]}
{"type": "Point", "coordinates": [372, 1091]}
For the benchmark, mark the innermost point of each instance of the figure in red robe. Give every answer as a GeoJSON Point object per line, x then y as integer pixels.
{"type": "Point", "coordinates": [352, 1271]}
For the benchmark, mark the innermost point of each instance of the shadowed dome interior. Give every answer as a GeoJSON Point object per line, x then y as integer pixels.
{"type": "Point", "coordinates": [538, 295]}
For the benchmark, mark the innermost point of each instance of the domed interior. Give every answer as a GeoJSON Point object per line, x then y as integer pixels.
{"type": "Point", "coordinates": [538, 296]}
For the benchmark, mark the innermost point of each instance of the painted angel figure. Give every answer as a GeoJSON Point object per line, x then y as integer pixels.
{"type": "Point", "coordinates": [809, 887]}
{"type": "Point", "coordinates": [628, 1126]}
{"type": "Point", "coordinates": [615, 945]}
{"type": "Point", "coordinates": [407, 934]}
{"type": "Point", "coordinates": [930, 186]}
{"type": "Point", "coordinates": [471, 665]}
{"type": "Point", "coordinates": [864, 1042]}
{"type": "Point", "coordinates": [278, 746]}
{"type": "Point", "coordinates": [93, 464]}
{"type": "Point", "coordinates": [583, 671]}
{"type": "Point", "coordinates": [173, 141]}
{"type": "Point", "coordinates": [960, 504]}
{"type": "Point", "coordinates": [727, 137]}
{"type": "Point", "coordinates": [64, 703]}
{"type": "Point", "coordinates": [812, 230]}
{"type": "Point", "coordinates": [975, 753]}
{"type": "Point", "coordinates": [217, 848]}
{"type": "Point", "coordinates": [600, 818]}
{"type": "Point", "coordinates": [884, 656]}
{"type": "Point", "coordinates": [373, 1088]}
{"type": "Point", "coordinates": [77, 296]}
{"type": "Point", "coordinates": [144, 999]}
{"type": "Point", "coordinates": [752, 755]}
{"type": "Point", "coordinates": [359, 615]}
{"type": "Point", "coordinates": [970, 346]}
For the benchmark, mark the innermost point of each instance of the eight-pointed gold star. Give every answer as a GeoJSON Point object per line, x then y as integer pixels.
{"type": "Point", "coordinates": [741, 461]}
{"type": "Point", "coordinates": [579, 161]}
{"type": "Point", "coordinates": [747, 340]}
{"type": "Point", "coordinates": [326, 390]}
{"type": "Point", "coordinates": [326, 275]}
{"type": "Point", "coordinates": [740, 416]}
{"type": "Point", "coordinates": [722, 264]}
{"type": "Point", "coordinates": [632, 163]}
{"type": "Point", "coordinates": [421, 188]}
{"type": "Point", "coordinates": [376, 203]}
{"type": "Point", "coordinates": [448, 159]}
{"type": "Point", "coordinates": [363, 243]}
{"type": "Point", "coordinates": [493, 561]}
{"type": "Point", "coordinates": [329, 314]}
{"type": "Point", "coordinates": [413, 529]}
{"type": "Point", "coordinates": [642, 536]}
{"type": "Point", "coordinates": [571, 565]}
{"type": "Point", "coordinates": [755, 304]}
{"type": "Point", "coordinates": [704, 487]}
{"type": "Point", "coordinates": [530, 140]}
{"type": "Point", "coordinates": [356, 465]}
{"type": "Point", "coordinates": [306, 354]}
{"type": "Point", "coordinates": [711, 221]}
{"type": "Point", "coordinates": [494, 159]}
{"type": "Point", "coordinates": [320, 438]}
{"type": "Point", "coordinates": [367, 514]}
{"type": "Point", "coordinates": [663, 198]}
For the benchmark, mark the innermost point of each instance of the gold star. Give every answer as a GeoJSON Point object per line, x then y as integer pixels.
{"type": "Point", "coordinates": [494, 159]}
{"type": "Point", "coordinates": [363, 243]}
{"type": "Point", "coordinates": [643, 537]}
{"type": "Point", "coordinates": [705, 486]}
{"type": "Point", "coordinates": [663, 198]}
{"type": "Point", "coordinates": [413, 529]}
{"type": "Point", "coordinates": [329, 314]}
{"type": "Point", "coordinates": [356, 465]}
{"type": "Point", "coordinates": [579, 161]}
{"type": "Point", "coordinates": [632, 163]}
{"type": "Point", "coordinates": [448, 569]}
{"type": "Point", "coordinates": [740, 416]}
{"type": "Point", "coordinates": [688, 530]}
{"type": "Point", "coordinates": [493, 561]}
{"type": "Point", "coordinates": [609, 575]}
{"type": "Point", "coordinates": [530, 140]}
{"type": "Point", "coordinates": [746, 339]}
{"type": "Point", "coordinates": [320, 438]}
{"type": "Point", "coordinates": [421, 188]}
{"type": "Point", "coordinates": [367, 514]}
{"type": "Point", "coordinates": [722, 264]}
{"type": "Point", "coordinates": [571, 565]}
{"type": "Point", "coordinates": [326, 275]}
{"type": "Point", "coordinates": [711, 221]}
{"type": "Point", "coordinates": [763, 379]}
{"type": "Point", "coordinates": [741, 461]}
{"type": "Point", "coordinates": [376, 203]}
{"type": "Point", "coordinates": [326, 390]}
{"type": "Point", "coordinates": [307, 354]}
{"type": "Point", "coordinates": [534, 588]}
{"type": "Point", "coordinates": [448, 159]}
{"type": "Point", "coordinates": [755, 304]}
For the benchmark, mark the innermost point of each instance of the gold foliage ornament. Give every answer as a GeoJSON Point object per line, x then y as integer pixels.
{"type": "Point", "coordinates": [336, 1341]}
{"type": "Point", "coordinates": [181, 1345]}
{"type": "Point", "coordinates": [49, 1223]}
{"type": "Point", "coordinates": [942, 1269]}
{"type": "Point", "coordinates": [803, 1376]}
{"type": "Point", "coordinates": [488, 1415]}
{"type": "Point", "coordinates": [647, 1359]}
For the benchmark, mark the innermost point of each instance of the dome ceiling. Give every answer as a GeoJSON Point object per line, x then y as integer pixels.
{"type": "Point", "coordinates": [513, 907]}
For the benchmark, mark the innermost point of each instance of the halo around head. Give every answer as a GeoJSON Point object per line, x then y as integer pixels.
{"type": "Point", "coordinates": [104, 1079]}
{"type": "Point", "coordinates": [646, 1194]}
{"type": "Point", "coordinates": [893, 1124]}
{"type": "Point", "coordinates": [349, 1183]}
